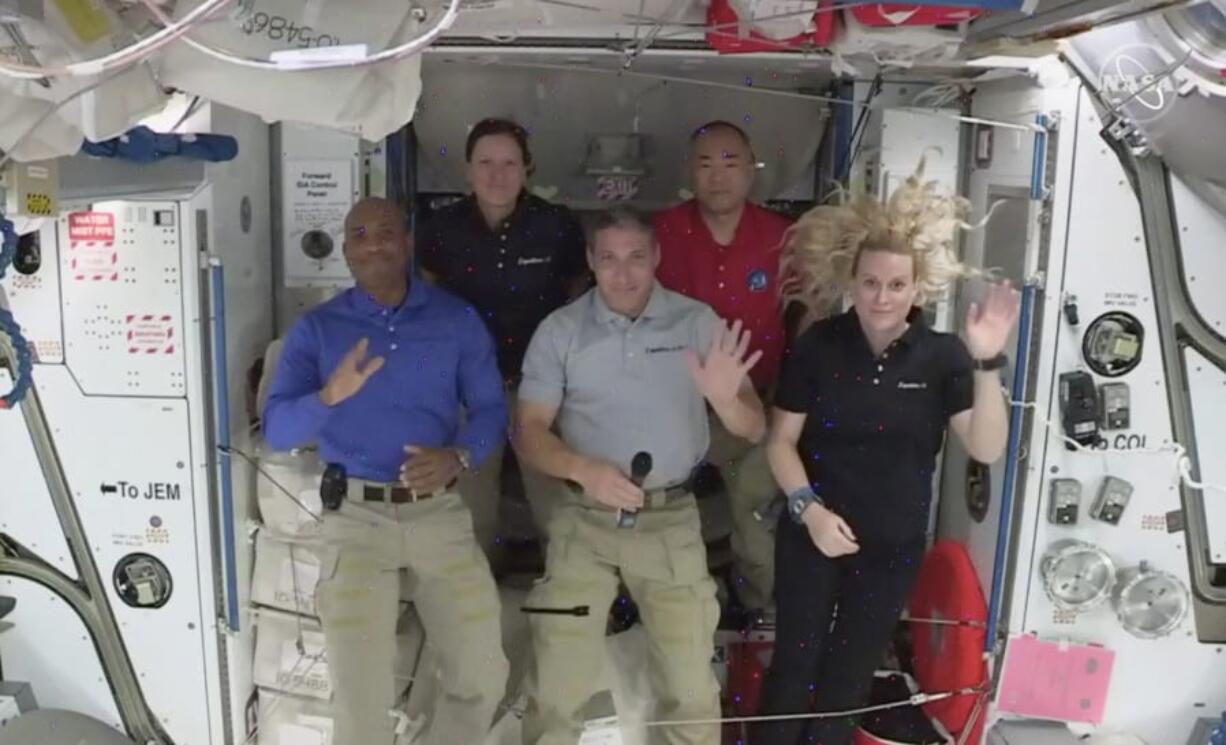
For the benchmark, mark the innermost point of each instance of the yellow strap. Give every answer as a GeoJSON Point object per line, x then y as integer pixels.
{"type": "Point", "coordinates": [86, 19]}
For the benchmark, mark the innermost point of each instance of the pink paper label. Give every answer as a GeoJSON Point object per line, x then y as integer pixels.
{"type": "Point", "coordinates": [1048, 680]}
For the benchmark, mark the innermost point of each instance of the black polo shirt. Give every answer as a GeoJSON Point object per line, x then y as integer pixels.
{"type": "Point", "coordinates": [875, 424]}
{"type": "Point", "coordinates": [514, 275]}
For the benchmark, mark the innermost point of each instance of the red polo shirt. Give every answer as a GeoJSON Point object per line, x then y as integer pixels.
{"type": "Point", "coordinates": [740, 280]}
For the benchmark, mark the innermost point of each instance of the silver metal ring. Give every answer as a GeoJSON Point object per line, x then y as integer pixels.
{"type": "Point", "coordinates": [1077, 576]}
{"type": "Point", "coordinates": [1150, 604]}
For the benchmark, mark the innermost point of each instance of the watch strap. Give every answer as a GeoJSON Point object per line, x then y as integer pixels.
{"type": "Point", "coordinates": [991, 363]}
{"type": "Point", "coordinates": [799, 501]}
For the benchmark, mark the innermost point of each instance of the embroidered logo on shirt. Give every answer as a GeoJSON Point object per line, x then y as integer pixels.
{"type": "Point", "coordinates": [757, 280]}
{"type": "Point", "coordinates": [534, 260]}
{"type": "Point", "coordinates": [654, 350]}
{"type": "Point", "coordinates": [905, 386]}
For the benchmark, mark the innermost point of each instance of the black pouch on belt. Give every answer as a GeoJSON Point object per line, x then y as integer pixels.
{"type": "Point", "coordinates": [333, 486]}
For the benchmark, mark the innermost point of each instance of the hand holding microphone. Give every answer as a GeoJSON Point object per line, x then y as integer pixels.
{"type": "Point", "coordinates": [640, 466]}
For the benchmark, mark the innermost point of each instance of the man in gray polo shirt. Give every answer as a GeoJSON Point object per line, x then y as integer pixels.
{"type": "Point", "coordinates": [625, 369]}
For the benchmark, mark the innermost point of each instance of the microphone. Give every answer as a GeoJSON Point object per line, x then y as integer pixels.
{"type": "Point", "coordinates": [640, 466]}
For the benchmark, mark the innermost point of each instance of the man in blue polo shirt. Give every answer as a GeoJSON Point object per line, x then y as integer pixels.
{"type": "Point", "coordinates": [377, 377]}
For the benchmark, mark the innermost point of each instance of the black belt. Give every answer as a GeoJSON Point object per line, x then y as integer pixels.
{"type": "Point", "coordinates": [670, 492]}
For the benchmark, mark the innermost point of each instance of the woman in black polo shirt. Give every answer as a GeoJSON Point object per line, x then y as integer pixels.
{"type": "Point", "coordinates": [516, 258]}
{"type": "Point", "coordinates": [862, 406]}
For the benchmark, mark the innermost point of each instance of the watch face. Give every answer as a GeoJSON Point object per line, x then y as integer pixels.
{"type": "Point", "coordinates": [798, 506]}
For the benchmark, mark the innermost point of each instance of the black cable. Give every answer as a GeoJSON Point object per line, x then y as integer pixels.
{"type": "Point", "coordinates": [255, 464]}
{"type": "Point", "coordinates": [856, 140]}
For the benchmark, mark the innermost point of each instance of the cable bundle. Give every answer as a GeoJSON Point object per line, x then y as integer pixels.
{"type": "Point", "coordinates": [10, 332]}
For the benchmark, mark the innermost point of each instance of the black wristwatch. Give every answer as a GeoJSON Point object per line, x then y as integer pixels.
{"type": "Point", "coordinates": [992, 363]}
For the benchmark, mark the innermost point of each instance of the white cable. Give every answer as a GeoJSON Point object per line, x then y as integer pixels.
{"type": "Point", "coordinates": [387, 55]}
{"type": "Point", "coordinates": [917, 699]}
{"type": "Point", "coordinates": [125, 57]}
{"type": "Point", "coordinates": [1183, 463]}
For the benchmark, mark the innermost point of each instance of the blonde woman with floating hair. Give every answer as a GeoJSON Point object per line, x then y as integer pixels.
{"type": "Point", "coordinates": [863, 403]}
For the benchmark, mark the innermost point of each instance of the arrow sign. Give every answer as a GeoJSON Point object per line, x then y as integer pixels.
{"type": "Point", "coordinates": [109, 488]}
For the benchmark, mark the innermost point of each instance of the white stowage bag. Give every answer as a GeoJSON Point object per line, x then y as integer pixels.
{"type": "Point", "coordinates": [292, 720]}
{"type": "Point", "coordinates": [285, 575]}
{"type": "Point", "coordinates": [90, 31]}
{"type": "Point", "coordinates": [291, 656]}
{"type": "Point", "coordinates": [865, 48]}
{"type": "Point", "coordinates": [372, 101]}
{"type": "Point", "coordinates": [287, 491]}
{"type": "Point", "coordinates": [780, 19]}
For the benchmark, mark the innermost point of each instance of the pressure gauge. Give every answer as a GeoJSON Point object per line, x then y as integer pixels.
{"type": "Point", "coordinates": [1077, 576]}
{"type": "Point", "coordinates": [1150, 604]}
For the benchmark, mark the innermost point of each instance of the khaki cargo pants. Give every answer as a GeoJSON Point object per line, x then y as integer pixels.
{"type": "Point", "coordinates": [663, 562]}
{"type": "Point", "coordinates": [747, 476]}
{"type": "Point", "coordinates": [366, 546]}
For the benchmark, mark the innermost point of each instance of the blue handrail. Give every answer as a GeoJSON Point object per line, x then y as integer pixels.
{"type": "Point", "coordinates": [225, 469]}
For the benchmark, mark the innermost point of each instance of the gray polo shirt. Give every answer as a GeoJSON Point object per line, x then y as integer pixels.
{"type": "Point", "coordinates": [622, 385]}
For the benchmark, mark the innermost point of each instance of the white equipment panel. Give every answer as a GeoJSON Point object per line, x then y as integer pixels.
{"type": "Point", "coordinates": [1099, 255]}
{"type": "Point", "coordinates": [123, 305]}
{"type": "Point", "coordinates": [1107, 268]}
{"type": "Point", "coordinates": [35, 300]}
{"type": "Point", "coordinates": [130, 403]}
{"type": "Point", "coordinates": [34, 523]}
{"type": "Point", "coordinates": [66, 677]}
{"type": "Point", "coordinates": [134, 494]}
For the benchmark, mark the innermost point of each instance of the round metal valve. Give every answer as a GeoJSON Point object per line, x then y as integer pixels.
{"type": "Point", "coordinates": [1150, 604]}
{"type": "Point", "coordinates": [1077, 576]}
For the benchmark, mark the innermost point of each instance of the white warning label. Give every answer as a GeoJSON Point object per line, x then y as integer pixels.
{"type": "Point", "coordinates": [319, 194]}
{"type": "Point", "coordinates": [150, 334]}
{"type": "Point", "coordinates": [91, 247]}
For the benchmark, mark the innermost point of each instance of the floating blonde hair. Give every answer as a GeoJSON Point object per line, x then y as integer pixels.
{"type": "Point", "coordinates": [821, 250]}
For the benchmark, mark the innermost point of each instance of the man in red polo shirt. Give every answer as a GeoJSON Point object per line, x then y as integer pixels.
{"type": "Point", "coordinates": [723, 250]}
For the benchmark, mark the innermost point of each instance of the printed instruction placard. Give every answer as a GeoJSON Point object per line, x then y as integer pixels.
{"type": "Point", "coordinates": [317, 195]}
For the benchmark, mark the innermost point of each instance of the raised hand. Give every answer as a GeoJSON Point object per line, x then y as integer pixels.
{"type": "Point", "coordinates": [989, 321]}
{"type": "Point", "coordinates": [350, 375]}
{"type": "Point", "coordinates": [720, 375]}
